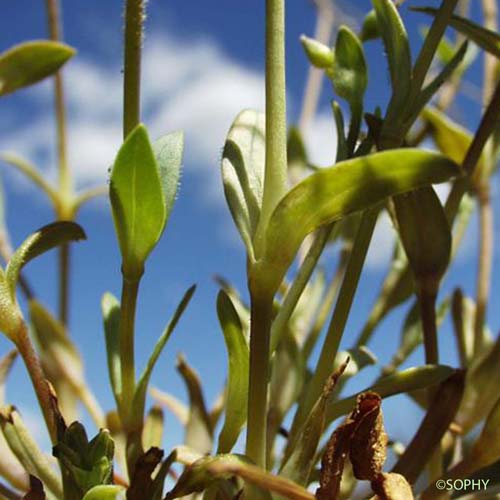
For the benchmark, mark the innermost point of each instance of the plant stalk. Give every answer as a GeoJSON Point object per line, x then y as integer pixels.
{"type": "Point", "coordinates": [65, 179]}
{"type": "Point", "coordinates": [40, 384]}
{"type": "Point", "coordinates": [276, 168]}
{"type": "Point", "coordinates": [134, 22]}
{"type": "Point", "coordinates": [260, 331]}
{"type": "Point", "coordinates": [128, 307]}
{"type": "Point", "coordinates": [338, 321]}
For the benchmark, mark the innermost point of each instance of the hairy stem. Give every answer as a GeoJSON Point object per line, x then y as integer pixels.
{"type": "Point", "coordinates": [275, 181]}
{"type": "Point", "coordinates": [134, 21]}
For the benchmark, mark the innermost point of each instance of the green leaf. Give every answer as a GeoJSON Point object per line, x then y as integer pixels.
{"type": "Point", "coordinates": [243, 162]}
{"type": "Point", "coordinates": [107, 492]}
{"type": "Point", "coordinates": [30, 62]}
{"type": "Point", "coordinates": [430, 90]}
{"type": "Point", "coordinates": [349, 72]}
{"type": "Point", "coordinates": [480, 390]}
{"type": "Point", "coordinates": [60, 359]}
{"type": "Point", "coordinates": [340, 128]}
{"type": "Point", "coordinates": [152, 433]}
{"type": "Point", "coordinates": [27, 451]}
{"type": "Point", "coordinates": [335, 192]}
{"type": "Point", "coordinates": [111, 315]}
{"type": "Point", "coordinates": [142, 384]}
{"type": "Point", "coordinates": [486, 449]}
{"type": "Point", "coordinates": [41, 241]}
{"type": "Point", "coordinates": [169, 151]}
{"type": "Point", "coordinates": [237, 384]}
{"type": "Point", "coordinates": [439, 416]}
{"type": "Point", "coordinates": [199, 432]}
{"type": "Point", "coordinates": [397, 383]}
{"type": "Point", "coordinates": [137, 201]}
{"type": "Point", "coordinates": [319, 54]}
{"type": "Point", "coordinates": [425, 234]}
{"type": "Point", "coordinates": [396, 44]}
{"type": "Point", "coordinates": [487, 39]}
{"type": "Point", "coordinates": [451, 139]}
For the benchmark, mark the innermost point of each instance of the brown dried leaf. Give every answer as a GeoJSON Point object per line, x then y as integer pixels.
{"type": "Point", "coordinates": [391, 486]}
{"type": "Point", "coordinates": [141, 485]}
{"type": "Point", "coordinates": [36, 491]}
{"type": "Point", "coordinates": [369, 442]}
{"type": "Point", "coordinates": [332, 463]}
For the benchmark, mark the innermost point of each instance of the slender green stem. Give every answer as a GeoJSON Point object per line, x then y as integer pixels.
{"type": "Point", "coordinates": [338, 321]}
{"type": "Point", "coordinates": [299, 284]}
{"type": "Point", "coordinates": [327, 302]}
{"type": "Point", "coordinates": [275, 182]}
{"type": "Point", "coordinates": [134, 21]}
{"type": "Point", "coordinates": [40, 384]}
{"type": "Point", "coordinates": [130, 290]}
{"type": "Point", "coordinates": [260, 330]}
{"type": "Point", "coordinates": [431, 42]}
{"type": "Point", "coordinates": [65, 179]}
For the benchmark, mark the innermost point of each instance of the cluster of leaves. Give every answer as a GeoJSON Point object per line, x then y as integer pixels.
{"type": "Point", "coordinates": [271, 379]}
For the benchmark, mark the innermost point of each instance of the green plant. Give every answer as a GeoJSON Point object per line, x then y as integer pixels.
{"type": "Point", "coordinates": [379, 166]}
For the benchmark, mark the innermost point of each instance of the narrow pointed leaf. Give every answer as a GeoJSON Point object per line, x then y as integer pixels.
{"type": "Point", "coordinates": [142, 384]}
{"type": "Point", "coordinates": [396, 44]}
{"type": "Point", "coordinates": [152, 433]}
{"type": "Point", "coordinates": [480, 390]}
{"type": "Point", "coordinates": [237, 384]}
{"type": "Point", "coordinates": [137, 201]}
{"type": "Point", "coordinates": [5, 366]}
{"type": "Point", "coordinates": [43, 240]}
{"type": "Point", "coordinates": [335, 192]}
{"type": "Point", "coordinates": [436, 422]}
{"type": "Point", "coordinates": [243, 161]}
{"type": "Point", "coordinates": [486, 449]}
{"type": "Point", "coordinates": [169, 151]}
{"type": "Point", "coordinates": [199, 433]}
{"type": "Point", "coordinates": [111, 315]}
{"type": "Point", "coordinates": [397, 383]}
{"type": "Point", "coordinates": [26, 450]}
{"type": "Point", "coordinates": [486, 39]}
{"type": "Point", "coordinates": [176, 407]}
{"type": "Point", "coordinates": [30, 62]}
{"type": "Point", "coordinates": [431, 89]}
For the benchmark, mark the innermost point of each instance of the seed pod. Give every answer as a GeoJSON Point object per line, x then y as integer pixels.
{"type": "Point", "coordinates": [425, 234]}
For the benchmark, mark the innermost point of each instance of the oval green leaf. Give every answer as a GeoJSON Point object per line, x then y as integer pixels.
{"type": "Point", "coordinates": [137, 201]}
{"type": "Point", "coordinates": [30, 62]}
{"type": "Point", "coordinates": [335, 192]}
{"type": "Point", "coordinates": [243, 163]}
{"type": "Point", "coordinates": [105, 492]}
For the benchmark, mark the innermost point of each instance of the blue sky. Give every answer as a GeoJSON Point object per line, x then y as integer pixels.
{"type": "Point", "coordinates": [203, 62]}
